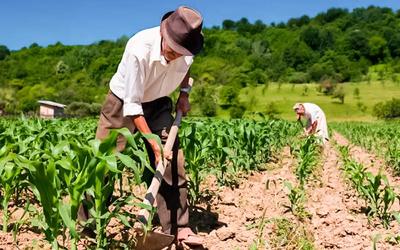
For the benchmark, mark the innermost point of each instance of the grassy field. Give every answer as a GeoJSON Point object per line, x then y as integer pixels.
{"type": "Point", "coordinates": [286, 95]}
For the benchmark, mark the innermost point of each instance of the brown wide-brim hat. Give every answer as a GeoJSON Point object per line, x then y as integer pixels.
{"type": "Point", "coordinates": [182, 30]}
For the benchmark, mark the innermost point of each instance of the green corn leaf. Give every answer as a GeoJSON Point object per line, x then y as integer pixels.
{"type": "Point", "coordinates": [124, 220]}
{"type": "Point", "coordinates": [112, 163]}
{"type": "Point", "coordinates": [65, 212]}
{"type": "Point", "coordinates": [144, 206]}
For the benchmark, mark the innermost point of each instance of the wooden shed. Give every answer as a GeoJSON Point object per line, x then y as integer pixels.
{"type": "Point", "coordinates": [49, 109]}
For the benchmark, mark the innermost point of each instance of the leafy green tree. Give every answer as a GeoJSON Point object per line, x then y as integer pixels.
{"type": "Point", "coordinates": [203, 98]}
{"type": "Point", "coordinates": [298, 22]}
{"type": "Point", "coordinates": [356, 43]}
{"type": "Point", "coordinates": [318, 71]}
{"type": "Point", "coordinates": [4, 51]}
{"type": "Point", "coordinates": [317, 38]}
{"type": "Point", "coordinates": [331, 15]}
{"type": "Point", "coordinates": [334, 13]}
{"type": "Point", "coordinates": [297, 55]}
{"type": "Point", "coordinates": [98, 68]}
{"type": "Point", "coordinates": [298, 77]}
{"type": "Point", "coordinates": [61, 68]}
{"type": "Point", "coordinates": [311, 36]}
{"type": "Point", "coordinates": [394, 45]}
{"type": "Point", "coordinates": [243, 26]}
{"type": "Point", "coordinates": [82, 109]}
{"type": "Point", "coordinates": [229, 25]}
{"type": "Point", "coordinates": [377, 49]}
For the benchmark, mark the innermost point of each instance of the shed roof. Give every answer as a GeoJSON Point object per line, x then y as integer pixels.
{"type": "Point", "coordinates": [50, 103]}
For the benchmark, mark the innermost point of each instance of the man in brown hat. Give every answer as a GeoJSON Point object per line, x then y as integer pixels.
{"type": "Point", "coordinates": [155, 62]}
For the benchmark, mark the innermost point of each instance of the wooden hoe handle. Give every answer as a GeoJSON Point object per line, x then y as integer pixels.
{"type": "Point", "coordinates": [152, 191]}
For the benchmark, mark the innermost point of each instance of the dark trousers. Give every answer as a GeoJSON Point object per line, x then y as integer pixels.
{"type": "Point", "coordinates": [172, 207]}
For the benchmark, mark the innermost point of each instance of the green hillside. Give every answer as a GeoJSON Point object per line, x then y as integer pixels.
{"type": "Point", "coordinates": [336, 46]}
{"type": "Point", "coordinates": [354, 108]}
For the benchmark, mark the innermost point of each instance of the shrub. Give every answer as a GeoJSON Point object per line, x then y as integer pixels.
{"type": "Point", "coordinates": [81, 109]}
{"type": "Point", "coordinates": [327, 87]}
{"type": "Point", "coordinates": [209, 107]}
{"type": "Point", "coordinates": [95, 108]}
{"type": "Point", "coordinates": [203, 97]}
{"type": "Point", "coordinates": [272, 110]}
{"type": "Point", "coordinates": [237, 111]}
{"type": "Point", "coordinates": [228, 95]}
{"type": "Point", "coordinates": [361, 106]}
{"type": "Point", "coordinates": [339, 94]}
{"type": "Point", "coordinates": [356, 93]}
{"type": "Point", "coordinates": [298, 77]}
{"type": "Point", "coordinates": [305, 91]}
{"type": "Point", "coordinates": [387, 110]}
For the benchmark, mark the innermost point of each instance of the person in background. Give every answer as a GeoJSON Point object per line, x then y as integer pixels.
{"type": "Point", "coordinates": [316, 120]}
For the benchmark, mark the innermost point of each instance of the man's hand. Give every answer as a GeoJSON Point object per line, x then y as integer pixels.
{"type": "Point", "coordinates": [156, 149]}
{"type": "Point", "coordinates": [183, 103]}
{"type": "Point", "coordinates": [141, 125]}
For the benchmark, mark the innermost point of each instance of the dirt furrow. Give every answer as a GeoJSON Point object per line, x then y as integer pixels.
{"type": "Point", "coordinates": [369, 160]}
{"type": "Point", "coordinates": [240, 210]}
{"type": "Point", "coordinates": [338, 218]}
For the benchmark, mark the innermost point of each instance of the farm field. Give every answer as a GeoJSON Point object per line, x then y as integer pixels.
{"type": "Point", "coordinates": [284, 96]}
{"type": "Point", "coordinates": [252, 185]}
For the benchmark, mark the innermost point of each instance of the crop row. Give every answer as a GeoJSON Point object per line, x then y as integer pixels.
{"type": "Point", "coordinates": [48, 167]}
{"type": "Point", "coordinates": [381, 138]}
{"type": "Point", "coordinates": [376, 191]}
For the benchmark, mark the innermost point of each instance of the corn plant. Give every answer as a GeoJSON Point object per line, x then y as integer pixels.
{"type": "Point", "coordinates": [380, 138]}
{"type": "Point", "coordinates": [196, 159]}
{"type": "Point", "coordinates": [11, 176]}
{"type": "Point", "coordinates": [60, 167]}
{"type": "Point", "coordinates": [374, 189]}
{"type": "Point", "coordinates": [380, 196]}
{"type": "Point", "coordinates": [297, 198]}
{"type": "Point", "coordinates": [45, 185]}
{"type": "Point", "coordinates": [307, 154]}
{"type": "Point", "coordinates": [59, 162]}
{"type": "Point", "coordinates": [228, 148]}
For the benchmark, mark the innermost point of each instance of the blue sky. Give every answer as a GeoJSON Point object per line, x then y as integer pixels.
{"type": "Point", "coordinates": [23, 22]}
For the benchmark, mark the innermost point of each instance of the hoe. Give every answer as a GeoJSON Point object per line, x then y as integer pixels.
{"type": "Point", "coordinates": [156, 240]}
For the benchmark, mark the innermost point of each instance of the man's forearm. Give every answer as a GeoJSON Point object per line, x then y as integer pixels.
{"type": "Point", "coordinates": [140, 123]}
{"type": "Point", "coordinates": [185, 81]}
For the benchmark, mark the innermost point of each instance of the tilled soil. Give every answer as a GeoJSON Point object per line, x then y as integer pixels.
{"type": "Point", "coordinates": [259, 196]}
{"type": "Point", "coordinates": [338, 220]}
{"type": "Point", "coordinates": [229, 218]}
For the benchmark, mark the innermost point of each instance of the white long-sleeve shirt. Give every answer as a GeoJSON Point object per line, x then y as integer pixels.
{"type": "Point", "coordinates": [314, 113]}
{"type": "Point", "coordinates": [143, 74]}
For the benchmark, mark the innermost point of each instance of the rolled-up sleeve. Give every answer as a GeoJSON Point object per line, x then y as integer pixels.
{"type": "Point", "coordinates": [134, 87]}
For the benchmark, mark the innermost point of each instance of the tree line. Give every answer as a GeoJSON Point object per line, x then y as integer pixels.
{"type": "Point", "coordinates": [337, 45]}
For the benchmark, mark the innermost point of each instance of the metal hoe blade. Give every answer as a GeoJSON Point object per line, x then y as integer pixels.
{"type": "Point", "coordinates": [153, 240]}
